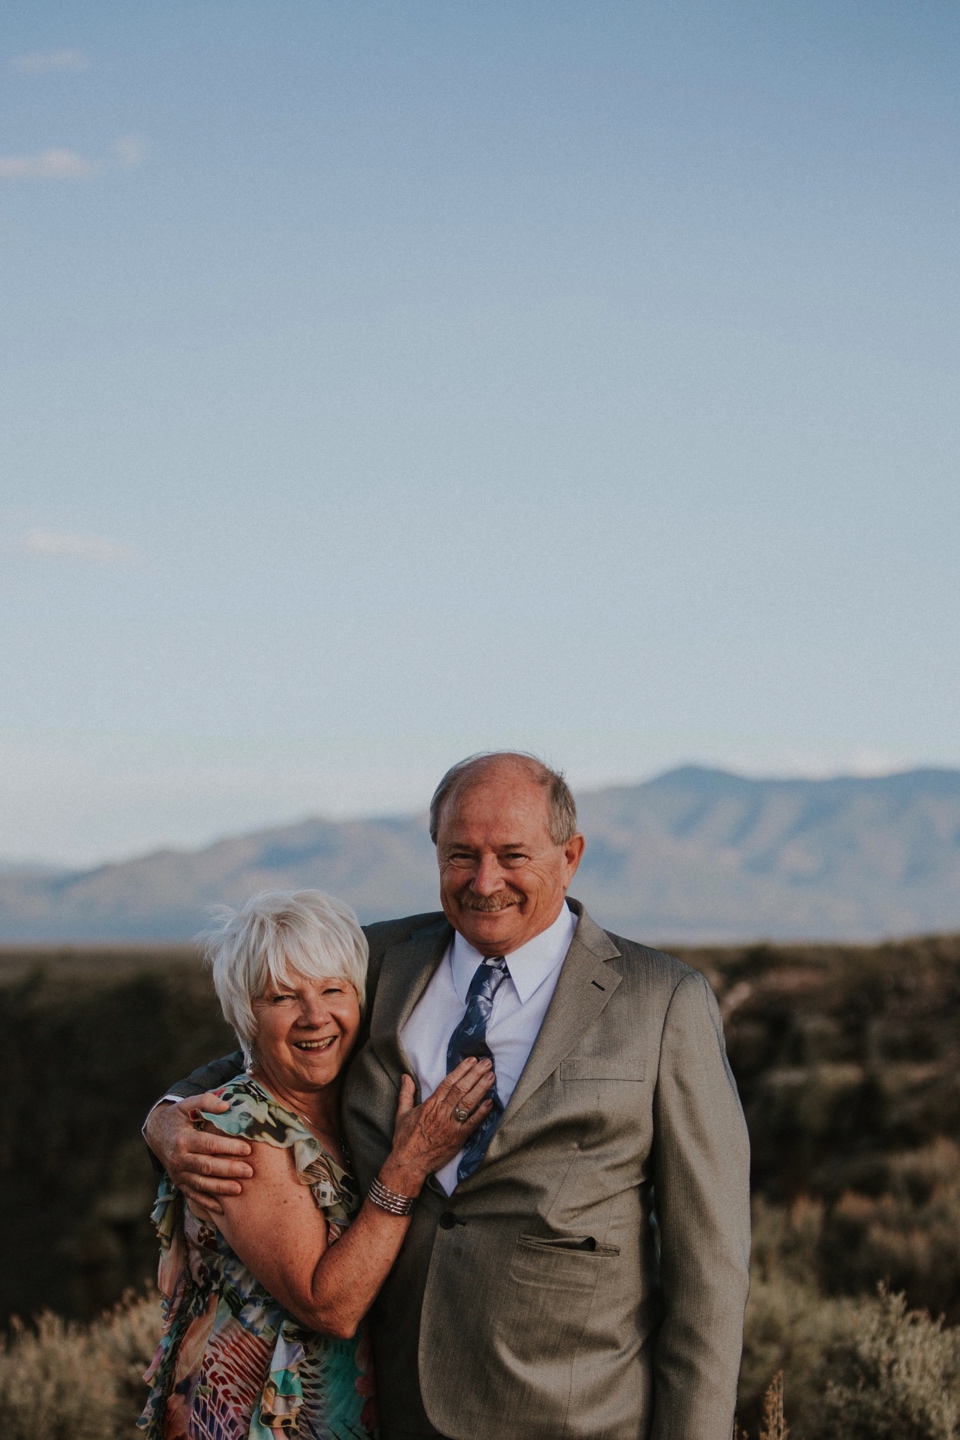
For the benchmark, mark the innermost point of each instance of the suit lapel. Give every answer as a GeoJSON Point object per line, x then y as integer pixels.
{"type": "Point", "coordinates": [584, 988]}
{"type": "Point", "coordinates": [405, 972]}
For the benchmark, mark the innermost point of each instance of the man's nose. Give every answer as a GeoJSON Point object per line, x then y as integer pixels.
{"type": "Point", "coordinates": [488, 878]}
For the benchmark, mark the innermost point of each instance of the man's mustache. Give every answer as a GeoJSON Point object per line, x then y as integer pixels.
{"type": "Point", "coordinates": [502, 900]}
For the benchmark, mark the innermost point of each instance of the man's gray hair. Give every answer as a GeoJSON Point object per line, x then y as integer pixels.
{"type": "Point", "coordinates": [561, 806]}
{"type": "Point", "coordinates": [275, 936]}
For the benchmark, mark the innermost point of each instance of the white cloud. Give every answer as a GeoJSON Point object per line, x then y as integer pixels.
{"type": "Point", "coordinates": [62, 164]}
{"type": "Point", "coordinates": [58, 545]}
{"type": "Point", "coordinates": [130, 151]}
{"type": "Point", "coordinates": [47, 165]}
{"type": "Point", "coordinates": [42, 63]}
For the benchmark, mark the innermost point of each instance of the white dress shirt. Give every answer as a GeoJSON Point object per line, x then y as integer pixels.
{"type": "Point", "coordinates": [518, 1009]}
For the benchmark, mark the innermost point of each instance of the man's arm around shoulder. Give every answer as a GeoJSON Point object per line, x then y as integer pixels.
{"type": "Point", "coordinates": [207, 1077]}
{"type": "Point", "coordinates": [202, 1165]}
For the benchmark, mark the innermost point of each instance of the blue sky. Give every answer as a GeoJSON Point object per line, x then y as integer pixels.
{"type": "Point", "coordinates": [381, 382]}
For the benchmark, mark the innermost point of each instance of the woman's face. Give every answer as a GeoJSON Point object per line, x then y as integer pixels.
{"type": "Point", "coordinates": [306, 1030]}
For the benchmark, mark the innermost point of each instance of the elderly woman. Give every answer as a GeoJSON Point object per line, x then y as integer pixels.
{"type": "Point", "coordinates": [263, 1303]}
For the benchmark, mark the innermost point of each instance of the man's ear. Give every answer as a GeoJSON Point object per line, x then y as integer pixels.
{"type": "Point", "coordinates": [573, 854]}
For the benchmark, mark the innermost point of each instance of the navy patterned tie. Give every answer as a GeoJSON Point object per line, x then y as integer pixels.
{"type": "Point", "coordinates": [470, 1038]}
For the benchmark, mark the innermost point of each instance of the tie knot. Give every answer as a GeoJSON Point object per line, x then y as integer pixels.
{"type": "Point", "coordinates": [488, 977]}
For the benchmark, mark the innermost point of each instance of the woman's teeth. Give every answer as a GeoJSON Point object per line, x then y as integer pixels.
{"type": "Point", "coordinates": [315, 1044]}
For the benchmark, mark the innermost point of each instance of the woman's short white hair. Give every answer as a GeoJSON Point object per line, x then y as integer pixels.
{"type": "Point", "coordinates": [276, 935]}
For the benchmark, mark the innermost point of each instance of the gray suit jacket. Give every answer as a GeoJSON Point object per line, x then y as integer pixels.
{"type": "Point", "coordinates": [588, 1281]}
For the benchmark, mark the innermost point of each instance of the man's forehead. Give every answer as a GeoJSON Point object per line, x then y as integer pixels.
{"type": "Point", "coordinates": [506, 800]}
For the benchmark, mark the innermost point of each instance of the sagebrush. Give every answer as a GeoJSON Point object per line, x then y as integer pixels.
{"type": "Point", "coordinates": [66, 1381]}
{"type": "Point", "coordinates": [864, 1368]}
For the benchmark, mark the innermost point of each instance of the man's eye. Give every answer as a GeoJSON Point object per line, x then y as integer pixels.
{"type": "Point", "coordinates": [515, 857]}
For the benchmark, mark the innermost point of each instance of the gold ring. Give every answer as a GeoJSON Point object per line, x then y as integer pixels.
{"type": "Point", "coordinates": [460, 1114]}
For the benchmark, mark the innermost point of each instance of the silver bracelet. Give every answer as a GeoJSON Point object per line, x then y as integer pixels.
{"type": "Point", "coordinates": [390, 1200]}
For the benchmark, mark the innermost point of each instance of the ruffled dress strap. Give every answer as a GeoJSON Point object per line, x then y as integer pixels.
{"type": "Point", "coordinates": [255, 1115]}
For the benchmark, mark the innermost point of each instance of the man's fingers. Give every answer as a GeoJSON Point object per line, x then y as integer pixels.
{"type": "Point", "coordinates": [211, 1142]}
{"type": "Point", "coordinates": [201, 1199]}
{"type": "Point", "coordinates": [210, 1185]}
{"type": "Point", "coordinates": [209, 1100]}
{"type": "Point", "coordinates": [215, 1167]}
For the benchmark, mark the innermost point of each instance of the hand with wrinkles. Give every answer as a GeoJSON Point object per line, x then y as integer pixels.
{"type": "Point", "coordinates": [426, 1136]}
{"type": "Point", "coordinates": [202, 1164]}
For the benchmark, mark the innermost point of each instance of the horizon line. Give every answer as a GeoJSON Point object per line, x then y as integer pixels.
{"type": "Point", "coordinates": [48, 867]}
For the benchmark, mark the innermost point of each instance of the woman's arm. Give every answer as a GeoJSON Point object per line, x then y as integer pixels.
{"type": "Point", "coordinates": [281, 1236]}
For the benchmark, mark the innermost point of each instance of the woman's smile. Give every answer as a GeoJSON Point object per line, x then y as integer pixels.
{"type": "Point", "coordinates": [306, 1027]}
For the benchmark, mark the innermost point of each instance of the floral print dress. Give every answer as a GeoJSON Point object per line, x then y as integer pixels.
{"type": "Point", "coordinates": [232, 1363]}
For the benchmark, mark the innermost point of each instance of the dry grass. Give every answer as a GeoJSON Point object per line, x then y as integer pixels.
{"type": "Point", "coordinates": [897, 1378]}
{"type": "Point", "coordinates": [899, 1221]}
{"type": "Point", "coordinates": [66, 1381]}
{"type": "Point", "coordinates": [790, 1324]}
{"type": "Point", "coordinates": [843, 1369]}
{"type": "Point", "coordinates": [850, 1368]}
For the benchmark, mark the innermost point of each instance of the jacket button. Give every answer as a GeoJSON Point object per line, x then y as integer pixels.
{"type": "Point", "coordinates": [447, 1220]}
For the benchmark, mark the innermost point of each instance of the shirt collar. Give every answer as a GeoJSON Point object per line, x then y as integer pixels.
{"type": "Point", "coordinates": [529, 965]}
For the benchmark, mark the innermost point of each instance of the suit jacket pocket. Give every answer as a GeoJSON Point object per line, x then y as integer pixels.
{"type": "Point", "coordinates": [559, 1263]}
{"type": "Point", "coordinates": [567, 1242]}
{"type": "Point", "coordinates": [550, 1294]}
{"type": "Point", "coordinates": [603, 1067]}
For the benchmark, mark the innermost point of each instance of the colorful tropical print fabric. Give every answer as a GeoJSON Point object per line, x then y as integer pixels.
{"type": "Point", "coordinates": [232, 1364]}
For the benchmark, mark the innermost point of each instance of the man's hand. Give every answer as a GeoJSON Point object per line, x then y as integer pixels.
{"type": "Point", "coordinates": [198, 1163]}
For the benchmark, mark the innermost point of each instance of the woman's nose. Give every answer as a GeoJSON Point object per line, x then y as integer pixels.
{"type": "Point", "coordinates": [313, 1011]}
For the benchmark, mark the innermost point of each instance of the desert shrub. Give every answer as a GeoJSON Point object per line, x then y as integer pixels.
{"type": "Point", "coordinates": [789, 1327]}
{"type": "Point", "coordinates": [899, 1222]}
{"type": "Point", "coordinates": [789, 1324]}
{"type": "Point", "coordinates": [897, 1377]}
{"type": "Point", "coordinates": [861, 1367]}
{"type": "Point", "coordinates": [840, 1052]}
{"type": "Point", "coordinates": [786, 1241]}
{"type": "Point", "coordinates": [66, 1381]}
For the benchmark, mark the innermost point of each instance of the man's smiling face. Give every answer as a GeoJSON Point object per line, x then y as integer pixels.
{"type": "Point", "coordinates": [502, 876]}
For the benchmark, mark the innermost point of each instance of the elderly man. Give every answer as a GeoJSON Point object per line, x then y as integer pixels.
{"type": "Point", "coordinates": [581, 1268]}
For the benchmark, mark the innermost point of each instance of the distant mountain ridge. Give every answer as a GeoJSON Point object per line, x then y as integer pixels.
{"type": "Point", "coordinates": [693, 855]}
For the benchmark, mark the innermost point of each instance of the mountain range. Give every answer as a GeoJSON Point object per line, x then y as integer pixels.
{"type": "Point", "coordinates": [692, 856]}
